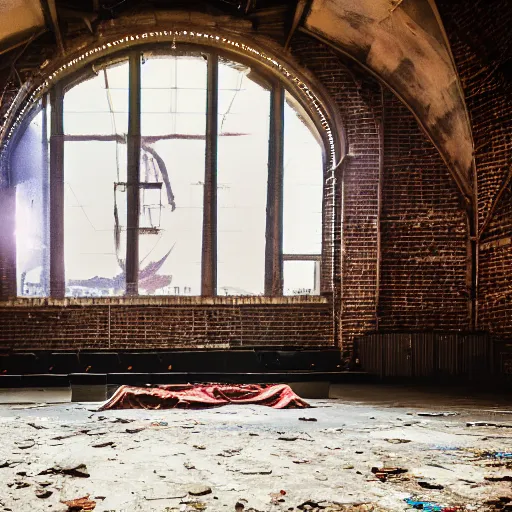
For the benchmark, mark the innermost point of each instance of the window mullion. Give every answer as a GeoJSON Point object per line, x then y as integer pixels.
{"type": "Point", "coordinates": [57, 270]}
{"type": "Point", "coordinates": [209, 253]}
{"type": "Point", "coordinates": [133, 176]}
{"type": "Point", "coordinates": [274, 230]}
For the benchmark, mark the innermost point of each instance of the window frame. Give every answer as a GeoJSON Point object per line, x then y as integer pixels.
{"type": "Point", "coordinates": [274, 256]}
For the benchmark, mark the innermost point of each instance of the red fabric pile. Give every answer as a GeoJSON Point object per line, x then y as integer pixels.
{"type": "Point", "coordinates": [199, 396]}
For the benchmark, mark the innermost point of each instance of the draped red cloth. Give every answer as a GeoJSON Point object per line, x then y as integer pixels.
{"type": "Point", "coordinates": [199, 396]}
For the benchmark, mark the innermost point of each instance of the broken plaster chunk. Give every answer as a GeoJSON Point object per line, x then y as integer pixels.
{"type": "Point", "coordinates": [199, 490]}
{"type": "Point", "coordinates": [78, 470]}
{"type": "Point", "coordinates": [24, 445]}
{"type": "Point", "coordinates": [103, 445]}
{"type": "Point", "coordinates": [43, 493]}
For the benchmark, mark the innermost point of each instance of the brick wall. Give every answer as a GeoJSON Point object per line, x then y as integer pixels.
{"type": "Point", "coordinates": [7, 243]}
{"type": "Point", "coordinates": [356, 241]}
{"type": "Point", "coordinates": [423, 232]}
{"type": "Point", "coordinates": [479, 34]}
{"type": "Point", "coordinates": [422, 282]}
{"type": "Point", "coordinates": [165, 323]}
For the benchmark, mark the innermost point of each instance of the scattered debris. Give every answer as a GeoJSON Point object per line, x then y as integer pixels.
{"type": "Point", "coordinates": [301, 461]}
{"type": "Point", "coordinates": [429, 485]}
{"type": "Point", "coordinates": [24, 445]}
{"type": "Point", "coordinates": [188, 465]}
{"type": "Point", "coordinates": [239, 507]}
{"type": "Point", "coordinates": [37, 427]}
{"type": "Point", "coordinates": [397, 441]}
{"type": "Point", "coordinates": [502, 478]}
{"type": "Point", "coordinates": [200, 446]}
{"type": "Point", "coordinates": [134, 430]}
{"type": "Point", "coordinates": [103, 445]}
{"type": "Point", "coordinates": [43, 493]}
{"type": "Point", "coordinates": [44, 483]}
{"type": "Point", "coordinates": [384, 473]}
{"type": "Point", "coordinates": [80, 504]}
{"type": "Point", "coordinates": [79, 470]}
{"type": "Point", "coordinates": [252, 471]}
{"type": "Point", "coordinates": [437, 414]}
{"type": "Point", "coordinates": [501, 503]}
{"type": "Point", "coordinates": [159, 424]}
{"type": "Point", "coordinates": [121, 420]}
{"type": "Point", "coordinates": [199, 490]}
{"type": "Point", "coordinates": [307, 419]}
{"type": "Point", "coordinates": [277, 497]}
{"type": "Point", "coordinates": [487, 424]}
{"type": "Point", "coordinates": [288, 438]}
{"type": "Point", "coordinates": [229, 452]}
{"type": "Point", "coordinates": [428, 506]}
{"type": "Point", "coordinates": [19, 484]}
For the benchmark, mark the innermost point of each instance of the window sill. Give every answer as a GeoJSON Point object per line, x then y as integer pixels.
{"type": "Point", "coordinates": [167, 301]}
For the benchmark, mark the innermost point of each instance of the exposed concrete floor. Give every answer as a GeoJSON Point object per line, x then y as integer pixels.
{"type": "Point", "coordinates": [236, 451]}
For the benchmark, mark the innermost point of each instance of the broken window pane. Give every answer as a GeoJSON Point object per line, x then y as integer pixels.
{"type": "Point", "coordinates": [29, 164]}
{"type": "Point", "coordinates": [172, 175]}
{"type": "Point", "coordinates": [244, 108]}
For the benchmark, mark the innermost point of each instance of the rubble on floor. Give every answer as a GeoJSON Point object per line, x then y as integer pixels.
{"type": "Point", "coordinates": [354, 457]}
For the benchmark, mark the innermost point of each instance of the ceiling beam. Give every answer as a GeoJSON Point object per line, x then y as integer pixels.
{"type": "Point", "coordinates": [50, 14]}
{"type": "Point", "coordinates": [297, 18]}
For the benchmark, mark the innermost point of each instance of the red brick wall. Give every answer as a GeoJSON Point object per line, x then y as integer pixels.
{"type": "Point", "coordinates": [423, 271]}
{"type": "Point", "coordinates": [160, 324]}
{"type": "Point", "coordinates": [479, 34]}
{"type": "Point", "coordinates": [7, 243]}
{"type": "Point", "coordinates": [356, 252]}
{"type": "Point", "coordinates": [423, 232]}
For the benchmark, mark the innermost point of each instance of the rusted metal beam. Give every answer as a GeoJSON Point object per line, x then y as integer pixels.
{"type": "Point", "coordinates": [209, 259]}
{"type": "Point", "coordinates": [50, 12]}
{"type": "Point", "coordinates": [57, 269]}
{"type": "Point", "coordinates": [274, 228]}
{"type": "Point", "coordinates": [133, 176]}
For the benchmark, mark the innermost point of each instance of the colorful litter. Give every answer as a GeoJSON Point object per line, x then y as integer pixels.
{"type": "Point", "coordinates": [429, 506]}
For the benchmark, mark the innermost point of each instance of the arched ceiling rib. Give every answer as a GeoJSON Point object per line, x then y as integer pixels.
{"type": "Point", "coordinates": [402, 42]}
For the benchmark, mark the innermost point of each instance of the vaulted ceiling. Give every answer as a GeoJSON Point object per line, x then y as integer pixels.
{"type": "Point", "coordinates": [401, 42]}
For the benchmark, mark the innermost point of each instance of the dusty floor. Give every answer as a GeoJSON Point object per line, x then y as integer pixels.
{"type": "Point", "coordinates": [264, 459]}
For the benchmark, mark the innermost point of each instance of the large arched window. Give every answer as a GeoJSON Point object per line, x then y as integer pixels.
{"type": "Point", "coordinates": [182, 174]}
